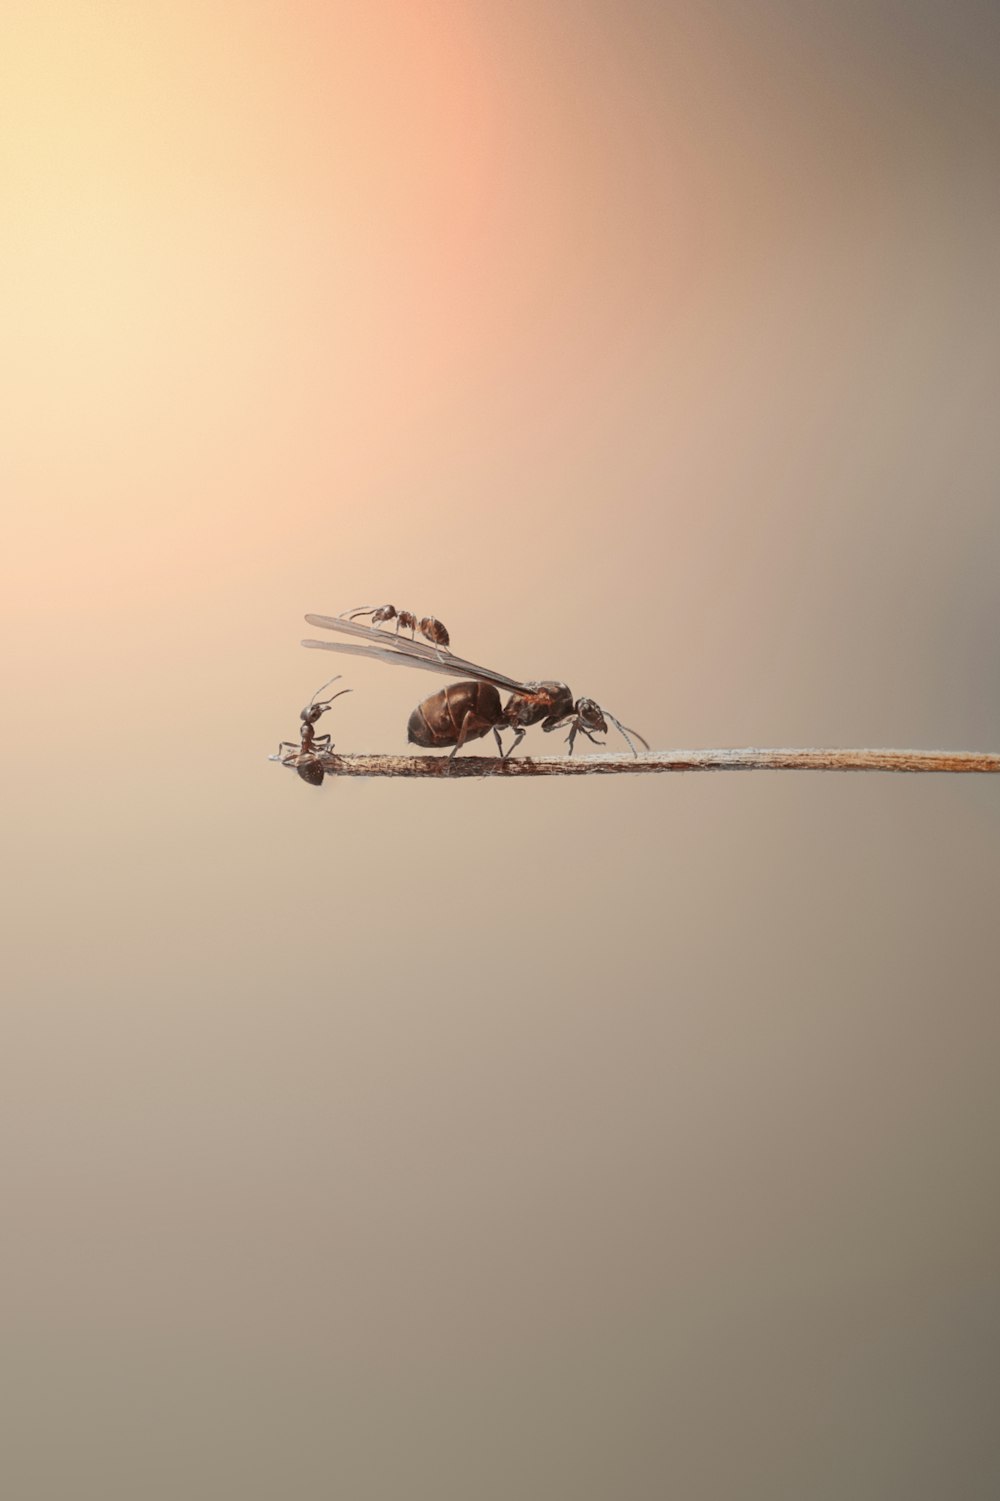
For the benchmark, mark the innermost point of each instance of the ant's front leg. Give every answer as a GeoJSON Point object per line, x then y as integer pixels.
{"type": "Point", "coordinates": [581, 729]}
{"type": "Point", "coordinates": [558, 724]}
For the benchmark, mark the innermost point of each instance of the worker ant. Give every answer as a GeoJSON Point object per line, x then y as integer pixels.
{"type": "Point", "coordinates": [307, 755]}
{"type": "Point", "coordinates": [432, 629]}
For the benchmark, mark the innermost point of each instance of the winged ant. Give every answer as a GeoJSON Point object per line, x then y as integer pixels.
{"type": "Point", "coordinates": [470, 709]}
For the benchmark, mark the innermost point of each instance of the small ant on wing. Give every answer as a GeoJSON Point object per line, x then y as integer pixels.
{"type": "Point", "coordinates": [307, 756]}
{"type": "Point", "coordinates": [431, 629]}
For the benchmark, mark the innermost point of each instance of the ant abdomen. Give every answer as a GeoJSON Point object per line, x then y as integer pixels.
{"type": "Point", "coordinates": [460, 712]}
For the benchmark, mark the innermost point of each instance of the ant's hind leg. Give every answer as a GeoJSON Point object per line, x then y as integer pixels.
{"type": "Point", "coordinates": [463, 733]}
{"type": "Point", "coordinates": [472, 725]}
{"type": "Point", "coordinates": [496, 737]}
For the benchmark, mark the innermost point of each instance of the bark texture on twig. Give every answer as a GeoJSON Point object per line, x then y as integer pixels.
{"type": "Point", "coordinates": [750, 759]}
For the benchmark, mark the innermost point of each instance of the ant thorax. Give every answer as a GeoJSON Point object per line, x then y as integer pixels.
{"type": "Point", "coordinates": [548, 701]}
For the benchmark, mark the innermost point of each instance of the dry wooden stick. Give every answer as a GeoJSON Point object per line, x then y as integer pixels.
{"type": "Point", "coordinates": [750, 759]}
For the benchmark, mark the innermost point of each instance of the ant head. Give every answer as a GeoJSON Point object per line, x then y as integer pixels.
{"type": "Point", "coordinates": [317, 706]}
{"type": "Point", "coordinates": [590, 715]}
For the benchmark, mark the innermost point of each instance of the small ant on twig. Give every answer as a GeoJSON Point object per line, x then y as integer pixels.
{"type": "Point", "coordinates": [431, 629]}
{"type": "Point", "coordinates": [306, 757]}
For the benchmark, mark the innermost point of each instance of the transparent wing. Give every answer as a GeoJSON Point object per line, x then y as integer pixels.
{"type": "Point", "coordinates": [404, 652]}
{"type": "Point", "coordinates": [372, 633]}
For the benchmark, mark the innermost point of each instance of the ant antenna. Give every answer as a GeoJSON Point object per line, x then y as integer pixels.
{"type": "Point", "coordinates": [628, 734]}
{"type": "Point", "coordinates": [335, 679]}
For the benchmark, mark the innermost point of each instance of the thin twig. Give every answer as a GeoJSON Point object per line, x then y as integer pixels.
{"type": "Point", "coordinates": [750, 759]}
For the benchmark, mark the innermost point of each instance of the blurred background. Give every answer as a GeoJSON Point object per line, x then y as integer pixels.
{"type": "Point", "coordinates": [547, 1139]}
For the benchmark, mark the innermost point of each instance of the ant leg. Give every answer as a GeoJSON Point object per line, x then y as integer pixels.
{"type": "Point", "coordinates": [496, 737]}
{"type": "Point", "coordinates": [463, 733]}
{"type": "Point", "coordinates": [590, 735]}
{"type": "Point", "coordinates": [322, 742]}
{"type": "Point", "coordinates": [472, 725]}
{"type": "Point", "coordinates": [519, 735]}
{"type": "Point", "coordinates": [571, 737]}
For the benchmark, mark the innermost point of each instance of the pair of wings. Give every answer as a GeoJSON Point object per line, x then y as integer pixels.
{"type": "Point", "coordinates": [406, 652]}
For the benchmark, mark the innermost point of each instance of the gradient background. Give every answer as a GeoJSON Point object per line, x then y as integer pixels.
{"type": "Point", "coordinates": [633, 1138]}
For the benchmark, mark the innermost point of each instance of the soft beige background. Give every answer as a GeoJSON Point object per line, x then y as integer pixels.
{"type": "Point", "coordinates": [623, 1138]}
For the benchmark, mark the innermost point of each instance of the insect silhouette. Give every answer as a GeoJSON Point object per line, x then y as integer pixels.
{"type": "Point", "coordinates": [433, 630]}
{"type": "Point", "coordinates": [467, 710]}
{"type": "Point", "coordinates": [306, 757]}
